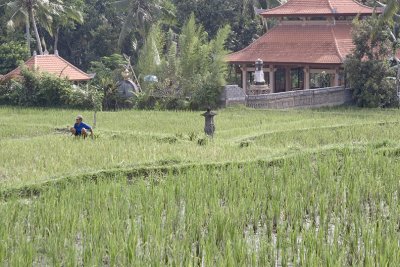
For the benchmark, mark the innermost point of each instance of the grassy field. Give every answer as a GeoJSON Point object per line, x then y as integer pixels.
{"type": "Point", "coordinates": [34, 147]}
{"type": "Point", "coordinates": [272, 188]}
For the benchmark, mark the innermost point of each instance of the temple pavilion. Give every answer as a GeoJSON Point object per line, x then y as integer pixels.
{"type": "Point", "coordinates": [311, 38]}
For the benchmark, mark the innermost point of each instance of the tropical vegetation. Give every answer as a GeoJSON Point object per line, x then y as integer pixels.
{"type": "Point", "coordinates": [181, 43]}
{"type": "Point", "coordinates": [166, 39]}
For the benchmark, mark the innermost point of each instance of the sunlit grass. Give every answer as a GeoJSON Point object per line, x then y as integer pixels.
{"type": "Point", "coordinates": [35, 146]}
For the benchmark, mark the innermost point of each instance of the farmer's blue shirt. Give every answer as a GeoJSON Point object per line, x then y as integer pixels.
{"type": "Point", "coordinates": [79, 126]}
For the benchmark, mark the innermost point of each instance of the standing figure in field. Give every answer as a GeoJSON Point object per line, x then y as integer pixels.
{"type": "Point", "coordinates": [209, 127]}
{"type": "Point", "coordinates": [80, 128]}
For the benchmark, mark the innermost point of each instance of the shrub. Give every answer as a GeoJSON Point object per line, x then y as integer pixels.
{"type": "Point", "coordinates": [11, 54]}
{"type": "Point", "coordinates": [46, 90]}
{"type": "Point", "coordinates": [30, 86]}
{"type": "Point", "coordinates": [5, 93]}
{"type": "Point", "coordinates": [173, 103]}
{"type": "Point", "coordinates": [368, 70]}
{"type": "Point", "coordinates": [145, 101]}
{"type": "Point", "coordinates": [51, 91]}
{"type": "Point", "coordinates": [34, 89]}
{"type": "Point", "coordinates": [86, 97]}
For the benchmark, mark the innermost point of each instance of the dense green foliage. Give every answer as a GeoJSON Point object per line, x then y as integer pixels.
{"type": "Point", "coordinates": [158, 38]}
{"type": "Point", "coordinates": [86, 30]}
{"type": "Point", "coordinates": [302, 187]}
{"type": "Point", "coordinates": [196, 72]}
{"type": "Point", "coordinates": [11, 55]}
{"type": "Point", "coordinates": [45, 90]}
{"type": "Point", "coordinates": [108, 71]}
{"type": "Point", "coordinates": [368, 68]}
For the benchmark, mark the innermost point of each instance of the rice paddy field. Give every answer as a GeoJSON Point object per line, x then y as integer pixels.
{"type": "Point", "coordinates": [272, 188]}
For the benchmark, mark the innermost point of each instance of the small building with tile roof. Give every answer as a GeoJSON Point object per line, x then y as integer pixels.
{"type": "Point", "coordinates": [312, 37]}
{"type": "Point", "coordinates": [52, 64]}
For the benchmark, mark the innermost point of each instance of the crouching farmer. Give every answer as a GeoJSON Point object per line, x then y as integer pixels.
{"type": "Point", "coordinates": [80, 128]}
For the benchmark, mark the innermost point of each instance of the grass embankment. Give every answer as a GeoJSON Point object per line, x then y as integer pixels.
{"type": "Point", "coordinates": [33, 149]}
{"type": "Point", "coordinates": [308, 188]}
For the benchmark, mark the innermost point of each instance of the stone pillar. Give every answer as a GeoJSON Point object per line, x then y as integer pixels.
{"type": "Point", "coordinates": [306, 77]}
{"type": "Point", "coordinates": [244, 78]}
{"type": "Point", "coordinates": [272, 78]}
{"type": "Point", "coordinates": [288, 79]}
{"type": "Point", "coordinates": [336, 82]}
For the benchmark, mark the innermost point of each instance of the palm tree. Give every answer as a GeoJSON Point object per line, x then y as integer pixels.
{"type": "Point", "coordinates": [63, 15]}
{"type": "Point", "coordinates": [25, 10]}
{"type": "Point", "coordinates": [252, 8]}
{"type": "Point", "coordinates": [19, 17]}
{"type": "Point", "coordinates": [141, 14]}
{"type": "Point", "coordinates": [31, 11]}
{"type": "Point", "coordinates": [30, 6]}
{"type": "Point", "coordinates": [391, 7]}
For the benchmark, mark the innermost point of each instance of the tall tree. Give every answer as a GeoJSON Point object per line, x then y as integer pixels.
{"type": "Point", "coordinates": [367, 67]}
{"type": "Point", "coordinates": [66, 16]}
{"type": "Point", "coordinates": [29, 9]}
{"type": "Point", "coordinates": [141, 14]}
{"type": "Point", "coordinates": [391, 19]}
{"type": "Point", "coordinates": [43, 13]}
{"type": "Point", "coordinates": [241, 15]}
{"type": "Point", "coordinates": [18, 17]}
{"type": "Point", "coordinates": [193, 45]}
{"type": "Point", "coordinates": [95, 38]}
{"type": "Point", "coordinates": [149, 55]}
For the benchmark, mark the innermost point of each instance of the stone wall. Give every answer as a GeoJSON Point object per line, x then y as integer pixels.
{"type": "Point", "coordinates": [322, 97]}
{"type": "Point", "coordinates": [232, 95]}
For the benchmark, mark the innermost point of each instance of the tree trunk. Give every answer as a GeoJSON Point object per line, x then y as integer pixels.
{"type": "Point", "coordinates": [28, 35]}
{"type": "Point", "coordinates": [56, 39]}
{"type": "Point", "coordinates": [37, 37]}
{"type": "Point", "coordinates": [43, 42]}
{"type": "Point", "coordinates": [125, 28]}
{"type": "Point", "coordinates": [397, 79]}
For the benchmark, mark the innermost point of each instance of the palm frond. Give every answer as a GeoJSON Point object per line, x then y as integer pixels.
{"type": "Point", "coordinates": [122, 4]}
{"type": "Point", "coordinates": [391, 8]}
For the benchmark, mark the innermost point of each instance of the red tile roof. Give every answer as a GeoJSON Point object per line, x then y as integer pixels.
{"type": "Point", "coordinates": [295, 8]}
{"type": "Point", "coordinates": [313, 44]}
{"type": "Point", "coordinates": [53, 64]}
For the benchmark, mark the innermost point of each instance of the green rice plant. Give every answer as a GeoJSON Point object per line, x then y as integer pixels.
{"type": "Point", "coordinates": [26, 132]}
{"type": "Point", "coordinates": [315, 188]}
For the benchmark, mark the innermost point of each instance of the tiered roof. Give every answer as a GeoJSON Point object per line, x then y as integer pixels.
{"type": "Point", "coordinates": [297, 8]}
{"type": "Point", "coordinates": [52, 64]}
{"type": "Point", "coordinates": [320, 44]}
{"type": "Point", "coordinates": [308, 42]}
